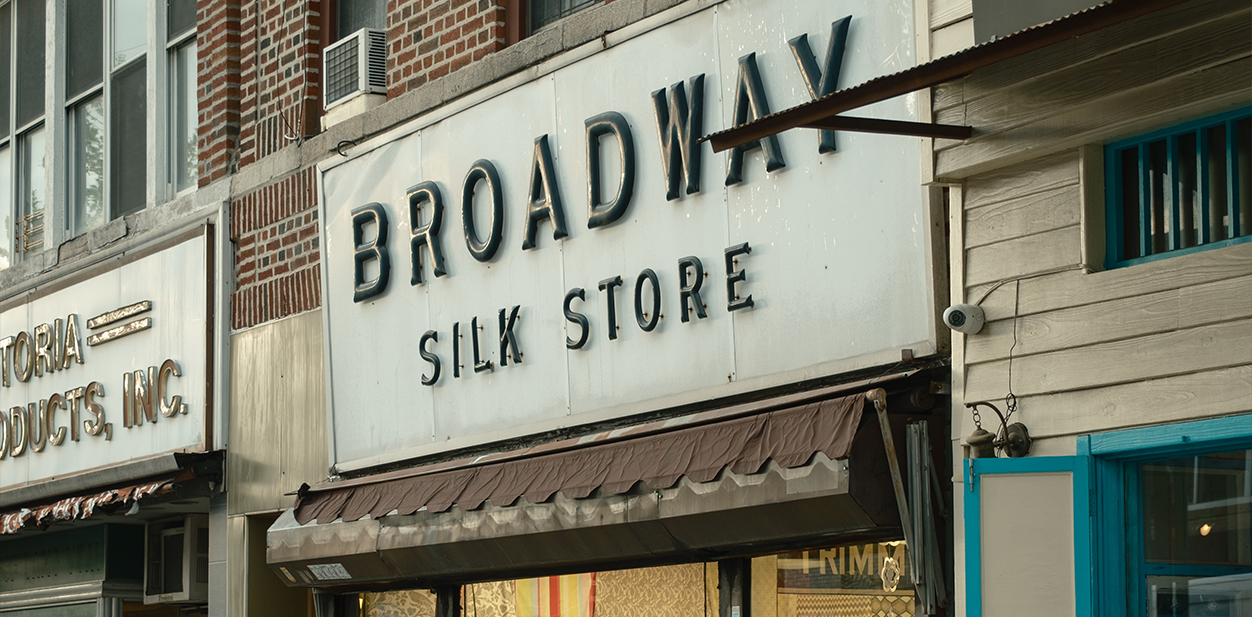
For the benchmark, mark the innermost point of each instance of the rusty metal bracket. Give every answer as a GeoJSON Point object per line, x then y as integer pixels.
{"type": "Point", "coordinates": [879, 398]}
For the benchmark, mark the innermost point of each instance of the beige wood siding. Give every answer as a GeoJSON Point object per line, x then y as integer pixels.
{"type": "Point", "coordinates": [1111, 84]}
{"type": "Point", "coordinates": [1156, 342]}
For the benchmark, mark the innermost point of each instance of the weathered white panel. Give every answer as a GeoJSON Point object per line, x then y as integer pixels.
{"type": "Point", "coordinates": [1027, 544]}
{"type": "Point", "coordinates": [1169, 353]}
{"type": "Point", "coordinates": [175, 281]}
{"type": "Point", "coordinates": [809, 223]}
{"type": "Point", "coordinates": [278, 391]}
{"type": "Point", "coordinates": [836, 239]}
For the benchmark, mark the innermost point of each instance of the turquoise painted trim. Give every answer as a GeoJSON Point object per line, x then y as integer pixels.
{"type": "Point", "coordinates": [1153, 441]}
{"type": "Point", "coordinates": [1115, 240]}
{"type": "Point", "coordinates": [1080, 470]}
{"type": "Point", "coordinates": [1113, 590]}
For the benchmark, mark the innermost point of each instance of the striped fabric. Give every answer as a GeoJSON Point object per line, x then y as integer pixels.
{"type": "Point", "coordinates": [573, 595]}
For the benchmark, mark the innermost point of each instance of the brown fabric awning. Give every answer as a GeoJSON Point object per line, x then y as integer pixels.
{"type": "Point", "coordinates": [788, 436]}
{"type": "Point", "coordinates": [77, 508]}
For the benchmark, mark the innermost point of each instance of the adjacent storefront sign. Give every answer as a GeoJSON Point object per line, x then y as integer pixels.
{"type": "Point", "coordinates": [566, 251]}
{"type": "Point", "coordinates": [109, 368]}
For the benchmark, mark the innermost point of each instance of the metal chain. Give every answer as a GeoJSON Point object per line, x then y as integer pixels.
{"type": "Point", "coordinates": [977, 418]}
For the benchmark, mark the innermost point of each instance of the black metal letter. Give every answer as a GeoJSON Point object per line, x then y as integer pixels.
{"type": "Point", "coordinates": [607, 123]}
{"type": "Point", "coordinates": [479, 365]}
{"type": "Point", "coordinates": [508, 340]}
{"type": "Point", "coordinates": [679, 127]}
{"type": "Point", "coordinates": [430, 335]}
{"type": "Point", "coordinates": [750, 104]}
{"type": "Point", "coordinates": [690, 291]}
{"type": "Point", "coordinates": [576, 318]}
{"type": "Point", "coordinates": [482, 170]}
{"type": "Point", "coordinates": [545, 196]}
{"type": "Point", "coordinates": [733, 301]}
{"type": "Point", "coordinates": [456, 350]}
{"type": "Point", "coordinates": [426, 235]}
{"type": "Point", "coordinates": [376, 249]}
{"type": "Point", "coordinates": [647, 322]}
{"type": "Point", "coordinates": [607, 286]}
{"type": "Point", "coordinates": [822, 82]}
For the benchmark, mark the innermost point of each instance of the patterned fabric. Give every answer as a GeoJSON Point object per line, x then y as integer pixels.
{"type": "Point", "coordinates": [82, 507]}
{"type": "Point", "coordinates": [667, 591]}
{"type": "Point", "coordinates": [498, 599]}
{"type": "Point", "coordinates": [414, 603]}
{"type": "Point", "coordinates": [573, 595]}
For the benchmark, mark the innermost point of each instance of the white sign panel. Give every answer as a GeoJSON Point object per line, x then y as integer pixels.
{"type": "Point", "coordinates": [109, 368]}
{"type": "Point", "coordinates": [682, 278]}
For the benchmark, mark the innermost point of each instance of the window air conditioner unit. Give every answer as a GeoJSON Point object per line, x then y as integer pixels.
{"type": "Point", "coordinates": [177, 567]}
{"type": "Point", "coordinates": [357, 64]}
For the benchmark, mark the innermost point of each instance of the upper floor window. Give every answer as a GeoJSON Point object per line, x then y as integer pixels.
{"type": "Point", "coordinates": [543, 12]}
{"type": "Point", "coordinates": [23, 145]}
{"type": "Point", "coordinates": [1180, 190]}
{"type": "Point", "coordinates": [352, 15]}
{"type": "Point", "coordinates": [106, 110]}
{"type": "Point", "coordinates": [183, 113]}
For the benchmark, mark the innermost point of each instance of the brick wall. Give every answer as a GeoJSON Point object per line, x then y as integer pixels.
{"type": "Point", "coordinates": [277, 256]}
{"type": "Point", "coordinates": [280, 71]}
{"type": "Point", "coordinates": [427, 39]}
{"type": "Point", "coordinates": [217, 50]}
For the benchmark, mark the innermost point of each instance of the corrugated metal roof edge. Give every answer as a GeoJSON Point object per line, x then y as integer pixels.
{"type": "Point", "coordinates": [941, 70]}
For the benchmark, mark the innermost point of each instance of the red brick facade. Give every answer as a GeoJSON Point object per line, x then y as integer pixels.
{"type": "Point", "coordinates": [217, 48]}
{"type": "Point", "coordinates": [260, 66]}
{"type": "Point", "coordinates": [277, 252]}
{"type": "Point", "coordinates": [427, 39]}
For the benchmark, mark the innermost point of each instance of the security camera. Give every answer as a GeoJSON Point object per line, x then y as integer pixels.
{"type": "Point", "coordinates": [967, 318]}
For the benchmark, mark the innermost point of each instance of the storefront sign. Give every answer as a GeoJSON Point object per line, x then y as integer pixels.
{"type": "Point", "coordinates": [564, 250]}
{"type": "Point", "coordinates": [106, 369]}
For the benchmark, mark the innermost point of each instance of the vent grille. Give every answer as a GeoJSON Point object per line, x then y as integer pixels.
{"type": "Point", "coordinates": [355, 65]}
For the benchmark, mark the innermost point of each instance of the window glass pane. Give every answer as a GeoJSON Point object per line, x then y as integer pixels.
{"type": "Point", "coordinates": [544, 12]}
{"type": "Point", "coordinates": [32, 189]}
{"type": "Point", "coordinates": [180, 17]}
{"type": "Point", "coordinates": [1188, 192]}
{"type": "Point", "coordinates": [128, 144]}
{"type": "Point", "coordinates": [1218, 219]}
{"type": "Point", "coordinates": [184, 116]}
{"type": "Point", "coordinates": [357, 14]}
{"type": "Point", "coordinates": [6, 206]}
{"type": "Point", "coordinates": [130, 36]}
{"type": "Point", "coordinates": [1196, 510]}
{"type": "Point", "coordinates": [87, 165]}
{"type": "Point", "coordinates": [1197, 534]}
{"type": "Point", "coordinates": [1243, 136]}
{"type": "Point", "coordinates": [30, 60]}
{"type": "Point", "coordinates": [84, 46]}
{"type": "Point", "coordinates": [1130, 202]}
{"type": "Point", "coordinates": [6, 46]}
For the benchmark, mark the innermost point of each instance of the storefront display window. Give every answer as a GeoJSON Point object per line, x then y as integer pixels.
{"type": "Point", "coordinates": [855, 580]}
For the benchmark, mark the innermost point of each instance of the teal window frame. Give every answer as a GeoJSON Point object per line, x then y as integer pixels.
{"type": "Point", "coordinates": [1115, 190]}
{"type": "Point", "coordinates": [1115, 583]}
{"type": "Point", "coordinates": [1079, 467]}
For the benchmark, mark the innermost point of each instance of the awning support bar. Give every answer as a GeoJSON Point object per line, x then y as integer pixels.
{"type": "Point", "coordinates": [889, 127]}
{"type": "Point", "coordinates": [879, 397]}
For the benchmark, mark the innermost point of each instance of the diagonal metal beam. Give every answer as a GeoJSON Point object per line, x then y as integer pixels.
{"type": "Point", "coordinates": [887, 127]}
{"type": "Point", "coordinates": [938, 71]}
